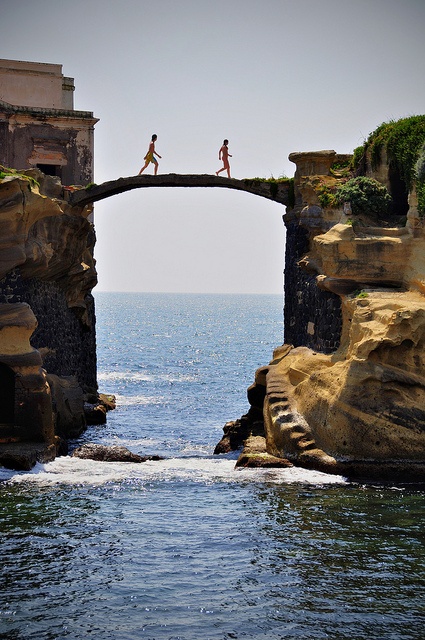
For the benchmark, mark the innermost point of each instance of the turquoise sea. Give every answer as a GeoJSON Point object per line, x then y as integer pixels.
{"type": "Point", "coordinates": [188, 548]}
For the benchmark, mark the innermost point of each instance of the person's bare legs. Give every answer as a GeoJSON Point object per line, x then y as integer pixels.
{"type": "Point", "coordinates": [143, 168]}
{"type": "Point", "coordinates": [225, 168]}
{"type": "Point", "coordinates": [156, 168]}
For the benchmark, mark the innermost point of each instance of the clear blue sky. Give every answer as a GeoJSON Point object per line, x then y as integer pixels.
{"type": "Point", "coordinates": [272, 76]}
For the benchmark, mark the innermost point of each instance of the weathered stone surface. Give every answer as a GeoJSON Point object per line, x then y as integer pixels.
{"type": "Point", "coordinates": [359, 412]}
{"type": "Point", "coordinates": [68, 406]}
{"type": "Point", "coordinates": [26, 411]}
{"type": "Point", "coordinates": [17, 324]}
{"type": "Point", "coordinates": [108, 400]}
{"type": "Point", "coordinates": [46, 317]}
{"type": "Point", "coordinates": [104, 453]}
{"type": "Point", "coordinates": [237, 431]}
{"type": "Point", "coordinates": [95, 413]}
{"type": "Point", "coordinates": [46, 261]}
{"type": "Point", "coordinates": [255, 455]}
{"type": "Point", "coordinates": [23, 456]}
{"type": "Point", "coordinates": [346, 395]}
{"type": "Point", "coordinates": [46, 238]}
{"type": "Point", "coordinates": [364, 256]}
{"type": "Point", "coordinates": [21, 206]}
{"type": "Point", "coordinates": [97, 406]}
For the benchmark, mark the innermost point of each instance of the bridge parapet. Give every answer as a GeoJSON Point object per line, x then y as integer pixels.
{"type": "Point", "coordinates": [277, 191]}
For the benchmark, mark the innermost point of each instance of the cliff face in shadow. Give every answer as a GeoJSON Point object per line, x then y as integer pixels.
{"type": "Point", "coordinates": [47, 322]}
{"type": "Point", "coordinates": [345, 394]}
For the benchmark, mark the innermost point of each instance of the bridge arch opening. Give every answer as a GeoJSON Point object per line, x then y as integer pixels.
{"type": "Point", "coordinates": [193, 240]}
{"type": "Point", "coordinates": [187, 241]}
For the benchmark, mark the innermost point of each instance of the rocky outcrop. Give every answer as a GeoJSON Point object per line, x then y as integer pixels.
{"type": "Point", "coordinates": [346, 393]}
{"type": "Point", "coordinates": [113, 453]}
{"type": "Point", "coordinates": [236, 432]}
{"type": "Point", "coordinates": [46, 239]}
{"type": "Point", "coordinates": [26, 414]}
{"type": "Point", "coordinates": [256, 456]}
{"type": "Point", "coordinates": [47, 338]}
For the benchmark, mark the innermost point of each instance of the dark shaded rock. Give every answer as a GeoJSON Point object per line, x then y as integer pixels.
{"type": "Point", "coordinates": [250, 424]}
{"type": "Point", "coordinates": [23, 456]}
{"type": "Point", "coordinates": [256, 394]}
{"type": "Point", "coordinates": [95, 413]}
{"type": "Point", "coordinates": [237, 431]}
{"type": "Point", "coordinates": [96, 407]}
{"type": "Point", "coordinates": [113, 453]}
{"type": "Point", "coordinates": [68, 406]}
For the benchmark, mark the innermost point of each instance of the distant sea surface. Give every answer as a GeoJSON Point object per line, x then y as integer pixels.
{"type": "Point", "coordinates": [188, 548]}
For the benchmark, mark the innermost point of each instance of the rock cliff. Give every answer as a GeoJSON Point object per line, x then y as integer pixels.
{"type": "Point", "coordinates": [47, 337]}
{"type": "Point", "coordinates": [345, 394]}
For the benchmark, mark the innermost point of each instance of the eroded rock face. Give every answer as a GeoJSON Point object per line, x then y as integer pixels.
{"type": "Point", "coordinates": [358, 411]}
{"type": "Point", "coordinates": [361, 411]}
{"type": "Point", "coordinates": [68, 406]}
{"type": "Point", "coordinates": [45, 237]}
{"type": "Point", "coordinates": [46, 318]}
{"type": "Point", "coordinates": [353, 403]}
{"type": "Point", "coordinates": [26, 415]}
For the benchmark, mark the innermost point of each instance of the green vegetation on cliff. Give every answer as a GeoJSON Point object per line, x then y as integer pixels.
{"type": "Point", "coordinates": [6, 173]}
{"type": "Point", "coordinates": [404, 143]}
{"type": "Point", "coordinates": [274, 185]}
{"type": "Point", "coordinates": [420, 180]}
{"type": "Point", "coordinates": [365, 195]}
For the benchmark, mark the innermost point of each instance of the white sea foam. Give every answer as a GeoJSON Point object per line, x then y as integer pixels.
{"type": "Point", "coordinates": [117, 376]}
{"type": "Point", "coordinates": [75, 471]}
{"type": "Point", "coordinates": [138, 400]}
{"type": "Point", "coordinates": [143, 376]}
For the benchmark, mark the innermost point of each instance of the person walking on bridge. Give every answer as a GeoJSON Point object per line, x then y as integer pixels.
{"type": "Point", "coordinates": [224, 155]}
{"type": "Point", "coordinates": [150, 156]}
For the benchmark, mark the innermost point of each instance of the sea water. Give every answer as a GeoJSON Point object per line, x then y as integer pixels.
{"type": "Point", "coordinates": [188, 547]}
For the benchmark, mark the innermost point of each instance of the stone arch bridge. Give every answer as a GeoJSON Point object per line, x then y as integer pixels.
{"type": "Point", "coordinates": [278, 191]}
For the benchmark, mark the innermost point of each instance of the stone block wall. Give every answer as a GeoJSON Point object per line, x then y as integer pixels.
{"type": "Point", "coordinates": [312, 317]}
{"type": "Point", "coordinates": [68, 345]}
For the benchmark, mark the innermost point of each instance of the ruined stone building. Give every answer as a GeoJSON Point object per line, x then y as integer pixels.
{"type": "Point", "coordinates": [38, 125]}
